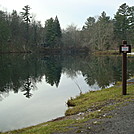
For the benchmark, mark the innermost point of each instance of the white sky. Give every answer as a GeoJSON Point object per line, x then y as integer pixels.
{"type": "Point", "coordinates": [68, 11]}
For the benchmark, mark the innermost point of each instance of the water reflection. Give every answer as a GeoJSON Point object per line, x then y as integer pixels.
{"type": "Point", "coordinates": [53, 70]}
{"type": "Point", "coordinates": [52, 79]}
{"type": "Point", "coordinates": [19, 72]}
{"type": "Point", "coordinates": [27, 87]}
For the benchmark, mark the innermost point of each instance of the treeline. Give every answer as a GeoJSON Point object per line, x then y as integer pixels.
{"type": "Point", "coordinates": [19, 32]}
{"type": "Point", "coordinates": [103, 32]}
{"type": "Point", "coordinates": [22, 33]}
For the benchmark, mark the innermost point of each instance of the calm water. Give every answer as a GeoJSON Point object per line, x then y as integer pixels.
{"type": "Point", "coordinates": [35, 88]}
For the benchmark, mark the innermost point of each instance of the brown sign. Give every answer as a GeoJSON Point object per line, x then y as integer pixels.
{"type": "Point", "coordinates": [125, 48]}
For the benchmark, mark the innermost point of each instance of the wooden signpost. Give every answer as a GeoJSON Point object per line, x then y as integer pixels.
{"type": "Point", "coordinates": [124, 49]}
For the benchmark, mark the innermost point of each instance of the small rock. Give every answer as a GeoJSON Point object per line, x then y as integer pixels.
{"type": "Point", "coordinates": [88, 128]}
{"type": "Point", "coordinates": [104, 115]}
{"type": "Point", "coordinates": [79, 131]}
{"type": "Point", "coordinates": [95, 122]}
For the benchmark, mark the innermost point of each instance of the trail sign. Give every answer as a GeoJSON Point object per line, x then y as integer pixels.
{"type": "Point", "coordinates": [124, 49]}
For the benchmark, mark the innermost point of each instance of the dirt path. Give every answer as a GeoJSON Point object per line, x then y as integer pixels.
{"type": "Point", "coordinates": [121, 122]}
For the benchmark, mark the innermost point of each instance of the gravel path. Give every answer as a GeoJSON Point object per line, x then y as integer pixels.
{"type": "Point", "coordinates": [122, 122]}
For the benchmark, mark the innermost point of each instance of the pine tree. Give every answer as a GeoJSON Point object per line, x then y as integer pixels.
{"type": "Point", "coordinates": [14, 26]}
{"type": "Point", "coordinates": [4, 28]}
{"type": "Point", "coordinates": [52, 32]}
{"type": "Point", "coordinates": [26, 17]}
{"type": "Point", "coordinates": [89, 23]}
{"type": "Point", "coordinates": [124, 23]}
{"type": "Point", "coordinates": [104, 18]}
{"type": "Point", "coordinates": [57, 27]}
{"type": "Point", "coordinates": [49, 32]}
{"type": "Point", "coordinates": [121, 22]}
{"type": "Point", "coordinates": [131, 24]}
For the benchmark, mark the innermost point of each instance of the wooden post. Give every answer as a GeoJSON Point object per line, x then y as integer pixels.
{"type": "Point", "coordinates": [124, 49]}
{"type": "Point", "coordinates": [124, 74]}
{"type": "Point", "coordinates": [124, 70]}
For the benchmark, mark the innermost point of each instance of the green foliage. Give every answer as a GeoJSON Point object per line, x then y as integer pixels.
{"type": "Point", "coordinates": [121, 22]}
{"type": "Point", "coordinates": [103, 33]}
{"type": "Point", "coordinates": [49, 32]}
{"type": "Point", "coordinates": [124, 23]}
{"type": "Point", "coordinates": [14, 24]}
{"type": "Point", "coordinates": [4, 32]}
{"type": "Point", "coordinates": [99, 33]}
{"type": "Point", "coordinates": [4, 29]}
{"type": "Point", "coordinates": [89, 23]}
{"type": "Point", "coordinates": [57, 28]}
{"type": "Point", "coordinates": [52, 32]}
{"type": "Point", "coordinates": [26, 17]}
{"type": "Point", "coordinates": [26, 14]}
{"type": "Point", "coordinates": [16, 31]}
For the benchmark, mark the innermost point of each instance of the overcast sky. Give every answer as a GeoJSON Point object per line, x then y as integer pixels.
{"type": "Point", "coordinates": [68, 11]}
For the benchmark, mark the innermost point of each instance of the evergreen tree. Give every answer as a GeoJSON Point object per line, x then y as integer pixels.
{"type": "Point", "coordinates": [26, 17]}
{"type": "Point", "coordinates": [124, 23]}
{"type": "Point", "coordinates": [89, 23]}
{"type": "Point", "coordinates": [104, 18]}
{"type": "Point", "coordinates": [49, 32]}
{"type": "Point", "coordinates": [121, 22]}
{"type": "Point", "coordinates": [58, 34]}
{"type": "Point", "coordinates": [14, 25]}
{"type": "Point", "coordinates": [131, 24]}
{"type": "Point", "coordinates": [16, 31]}
{"type": "Point", "coordinates": [4, 30]}
{"type": "Point", "coordinates": [57, 27]}
{"type": "Point", "coordinates": [52, 32]}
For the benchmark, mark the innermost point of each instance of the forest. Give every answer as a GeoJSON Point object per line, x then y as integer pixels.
{"type": "Point", "coordinates": [20, 32]}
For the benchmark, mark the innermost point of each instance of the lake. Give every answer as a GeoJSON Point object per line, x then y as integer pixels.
{"type": "Point", "coordinates": [35, 88]}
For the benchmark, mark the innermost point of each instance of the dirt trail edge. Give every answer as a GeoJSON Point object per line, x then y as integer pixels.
{"type": "Point", "coordinates": [121, 121]}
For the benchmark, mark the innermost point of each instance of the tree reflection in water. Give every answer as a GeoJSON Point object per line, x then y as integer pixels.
{"type": "Point", "coordinates": [28, 86]}
{"type": "Point", "coordinates": [22, 74]}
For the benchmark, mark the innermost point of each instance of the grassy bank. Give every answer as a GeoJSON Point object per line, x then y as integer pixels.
{"type": "Point", "coordinates": [98, 99]}
{"type": "Point", "coordinates": [84, 107]}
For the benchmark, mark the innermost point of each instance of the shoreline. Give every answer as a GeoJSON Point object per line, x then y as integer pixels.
{"type": "Point", "coordinates": [88, 106]}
